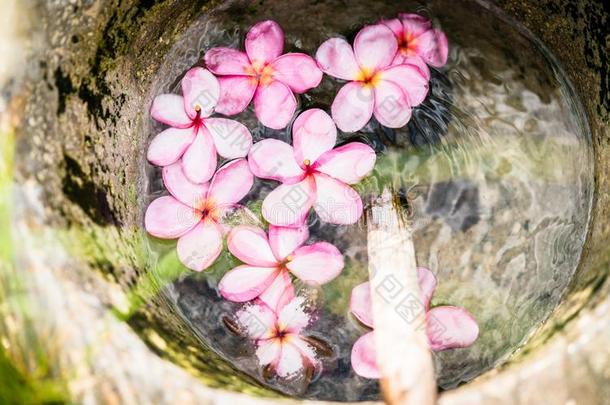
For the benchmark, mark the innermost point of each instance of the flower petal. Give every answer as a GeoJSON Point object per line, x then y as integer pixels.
{"type": "Point", "coordinates": [181, 188]}
{"type": "Point", "coordinates": [199, 160]}
{"type": "Point", "coordinates": [336, 202]}
{"type": "Point", "coordinates": [268, 351]}
{"type": "Point", "coordinates": [450, 328]}
{"type": "Point", "coordinates": [250, 245]}
{"type": "Point", "coordinates": [293, 318]}
{"type": "Point", "coordinates": [201, 246]}
{"type": "Point", "coordinates": [290, 361]}
{"type": "Point", "coordinates": [168, 218]}
{"type": "Point", "coordinates": [257, 320]}
{"type": "Point", "coordinates": [227, 61]}
{"type": "Point", "coordinates": [297, 71]}
{"type": "Point", "coordinates": [360, 301]}
{"type": "Point", "coordinates": [360, 304]}
{"type": "Point", "coordinates": [432, 46]}
{"type": "Point", "coordinates": [316, 264]}
{"type": "Point", "coordinates": [236, 92]}
{"type": "Point", "coordinates": [353, 106]}
{"type": "Point", "coordinates": [244, 283]}
{"type": "Point", "coordinates": [231, 183]}
{"type": "Point", "coordinates": [308, 352]}
{"type": "Point", "coordinates": [396, 26]}
{"type": "Point", "coordinates": [414, 60]}
{"type": "Point", "coordinates": [284, 240]}
{"type": "Point", "coordinates": [336, 58]}
{"type": "Point", "coordinates": [414, 24]}
{"type": "Point", "coordinates": [364, 357]}
{"type": "Point", "coordinates": [169, 109]}
{"type": "Point", "coordinates": [427, 284]}
{"type": "Point", "coordinates": [289, 204]}
{"type": "Point", "coordinates": [201, 91]}
{"type": "Point", "coordinates": [313, 133]}
{"type": "Point", "coordinates": [231, 138]}
{"type": "Point", "coordinates": [274, 159]}
{"type": "Point", "coordinates": [274, 105]}
{"type": "Point", "coordinates": [264, 42]}
{"type": "Point", "coordinates": [411, 81]}
{"type": "Point", "coordinates": [279, 292]}
{"type": "Point", "coordinates": [375, 47]}
{"type": "Point", "coordinates": [349, 163]}
{"type": "Point", "coordinates": [392, 108]}
{"type": "Point", "coordinates": [289, 293]}
{"type": "Point", "coordinates": [169, 145]}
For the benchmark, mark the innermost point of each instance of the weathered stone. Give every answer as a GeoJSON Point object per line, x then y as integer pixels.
{"type": "Point", "coordinates": [77, 111]}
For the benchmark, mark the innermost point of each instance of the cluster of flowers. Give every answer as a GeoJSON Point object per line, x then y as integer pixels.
{"type": "Point", "coordinates": [447, 327]}
{"type": "Point", "coordinates": [387, 74]}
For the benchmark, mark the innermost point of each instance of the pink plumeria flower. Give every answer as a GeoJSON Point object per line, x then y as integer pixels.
{"type": "Point", "coordinates": [375, 87]}
{"type": "Point", "coordinates": [278, 336]}
{"type": "Point", "coordinates": [447, 327]}
{"type": "Point", "coordinates": [193, 135]}
{"type": "Point", "coordinates": [262, 73]}
{"type": "Point", "coordinates": [193, 212]}
{"type": "Point", "coordinates": [269, 261]}
{"type": "Point", "coordinates": [418, 42]}
{"type": "Point", "coordinates": [312, 173]}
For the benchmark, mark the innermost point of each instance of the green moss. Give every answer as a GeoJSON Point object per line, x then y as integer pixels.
{"type": "Point", "coordinates": [18, 388]}
{"type": "Point", "coordinates": [7, 146]}
{"type": "Point", "coordinates": [26, 372]}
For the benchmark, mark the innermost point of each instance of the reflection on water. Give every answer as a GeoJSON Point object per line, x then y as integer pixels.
{"type": "Point", "coordinates": [496, 165]}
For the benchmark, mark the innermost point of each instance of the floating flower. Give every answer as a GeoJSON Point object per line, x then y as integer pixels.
{"type": "Point", "coordinates": [269, 260]}
{"type": "Point", "coordinates": [281, 345]}
{"type": "Point", "coordinates": [447, 327]}
{"type": "Point", "coordinates": [312, 173]}
{"type": "Point", "coordinates": [375, 87]}
{"type": "Point", "coordinates": [418, 41]}
{"type": "Point", "coordinates": [193, 135]}
{"type": "Point", "coordinates": [262, 73]}
{"type": "Point", "coordinates": [193, 212]}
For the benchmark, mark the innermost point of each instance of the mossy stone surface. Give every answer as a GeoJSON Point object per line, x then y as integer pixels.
{"type": "Point", "coordinates": [87, 89]}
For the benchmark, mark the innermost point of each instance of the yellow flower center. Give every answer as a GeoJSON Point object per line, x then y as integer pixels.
{"type": "Point", "coordinates": [369, 77]}
{"type": "Point", "coordinates": [280, 333]}
{"type": "Point", "coordinates": [407, 44]}
{"type": "Point", "coordinates": [262, 73]}
{"type": "Point", "coordinates": [282, 265]}
{"type": "Point", "coordinates": [306, 162]}
{"type": "Point", "coordinates": [209, 210]}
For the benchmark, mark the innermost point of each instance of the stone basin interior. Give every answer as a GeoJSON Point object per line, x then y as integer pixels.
{"type": "Point", "coordinates": [505, 168]}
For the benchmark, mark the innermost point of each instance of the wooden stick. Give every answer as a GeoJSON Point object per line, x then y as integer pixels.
{"type": "Point", "coordinates": [403, 355]}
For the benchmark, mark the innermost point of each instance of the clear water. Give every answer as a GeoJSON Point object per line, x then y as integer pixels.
{"type": "Point", "coordinates": [496, 163]}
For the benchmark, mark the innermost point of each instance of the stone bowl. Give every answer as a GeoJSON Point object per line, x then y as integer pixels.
{"type": "Point", "coordinates": [75, 91]}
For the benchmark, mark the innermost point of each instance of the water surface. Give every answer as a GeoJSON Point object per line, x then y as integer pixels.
{"type": "Point", "coordinates": [497, 165]}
